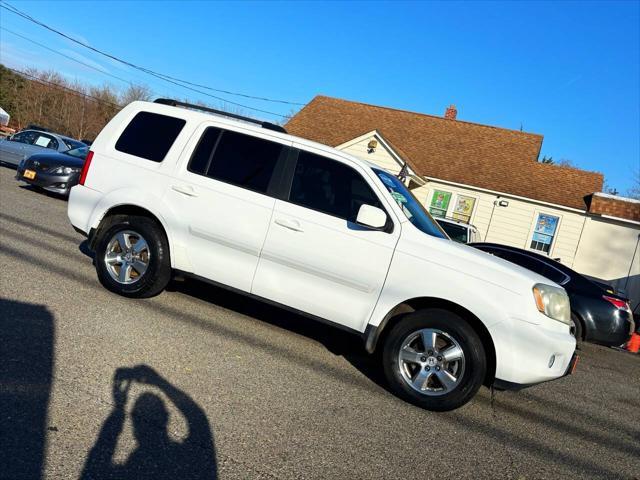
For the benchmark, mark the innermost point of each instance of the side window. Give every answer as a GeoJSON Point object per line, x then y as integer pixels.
{"type": "Point", "coordinates": [522, 260]}
{"type": "Point", "coordinates": [46, 141]}
{"type": "Point", "coordinates": [546, 270]}
{"type": "Point", "coordinates": [236, 158]}
{"type": "Point", "coordinates": [533, 264]}
{"type": "Point", "coordinates": [555, 275]}
{"type": "Point", "coordinates": [330, 187]}
{"type": "Point", "coordinates": [24, 137]}
{"type": "Point", "coordinates": [150, 135]}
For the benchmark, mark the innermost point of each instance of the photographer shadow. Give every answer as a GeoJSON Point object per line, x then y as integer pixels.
{"type": "Point", "coordinates": [156, 455]}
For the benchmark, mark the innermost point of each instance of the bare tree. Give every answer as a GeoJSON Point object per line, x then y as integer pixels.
{"type": "Point", "coordinates": [634, 191]}
{"type": "Point", "coordinates": [565, 162]}
{"type": "Point", "coordinates": [135, 92]}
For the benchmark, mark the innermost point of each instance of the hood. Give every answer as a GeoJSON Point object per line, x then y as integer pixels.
{"type": "Point", "coordinates": [54, 159]}
{"type": "Point", "coordinates": [472, 262]}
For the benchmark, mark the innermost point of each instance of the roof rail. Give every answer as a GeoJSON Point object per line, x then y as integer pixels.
{"type": "Point", "coordinates": [177, 103]}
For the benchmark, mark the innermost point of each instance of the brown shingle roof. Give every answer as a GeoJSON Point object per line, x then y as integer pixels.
{"type": "Point", "coordinates": [479, 155]}
{"type": "Point", "coordinates": [616, 207]}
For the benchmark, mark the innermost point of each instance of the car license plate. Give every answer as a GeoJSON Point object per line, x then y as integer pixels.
{"type": "Point", "coordinates": [30, 174]}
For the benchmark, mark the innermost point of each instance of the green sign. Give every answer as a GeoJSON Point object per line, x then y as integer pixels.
{"type": "Point", "coordinates": [439, 203]}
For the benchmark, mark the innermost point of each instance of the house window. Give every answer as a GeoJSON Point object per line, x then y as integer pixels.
{"type": "Point", "coordinates": [463, 208]}
{"type": "Point", "coordinates": [544, 233]}
{"type": "Point", "coordinates": [439, 203]}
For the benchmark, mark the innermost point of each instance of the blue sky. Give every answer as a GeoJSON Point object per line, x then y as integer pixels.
{"type": "Point", "coordinates": [569, 71]}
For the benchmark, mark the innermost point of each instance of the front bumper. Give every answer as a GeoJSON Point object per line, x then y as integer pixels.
{"type": "Point", "coordinates": [60, 184]}
{"type": "Point", "coordinates": [504, 385]}
{"type": "Point", "coordinates": [528, 353]}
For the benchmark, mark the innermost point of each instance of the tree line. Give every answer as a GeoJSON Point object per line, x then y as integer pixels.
{"type": "Point", "coordinates": [47, 99]}
{"type": "Point", "coordinates": [68, 107]}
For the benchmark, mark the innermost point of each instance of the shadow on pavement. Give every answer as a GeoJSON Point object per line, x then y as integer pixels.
{"type": "Point", "coordinates": [26, 369]}
{"type": "Point", "coordinates": [156, 455]}
{"type": "Point", "coordinates": [85, 250]}
{"type": "Point", "coordinates": [338, 342]}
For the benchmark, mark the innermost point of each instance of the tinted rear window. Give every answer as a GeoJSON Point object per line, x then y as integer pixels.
{"type": "Point", "coordinates": [150, 135]}
{"type": "Point", "coordinates": [235, 158]}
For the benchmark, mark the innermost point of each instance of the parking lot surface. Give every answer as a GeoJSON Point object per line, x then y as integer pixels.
{"type": "Point", "coordinates": [253, 391]}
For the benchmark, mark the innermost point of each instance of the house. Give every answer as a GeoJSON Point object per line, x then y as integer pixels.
{"type": "Point", "coordinates": [490, 177]}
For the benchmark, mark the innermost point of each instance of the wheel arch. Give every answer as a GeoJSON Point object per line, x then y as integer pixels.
{"type": "Point", "coordinates": [586, 321]}
{"type": "Point", "coordinates": [129, 209]}
{"type": "Point", "coordinates": [374, 335]}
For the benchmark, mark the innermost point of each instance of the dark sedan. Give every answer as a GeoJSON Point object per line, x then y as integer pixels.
{"type": "Point", "coordinates": [598, 314]}
{"type": "Point", "coordinates": [54, 172]}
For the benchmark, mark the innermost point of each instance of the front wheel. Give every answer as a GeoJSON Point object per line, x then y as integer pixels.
{"type": "Point", "coordinates": [434, 359]}
{"type": "Point", "coordinates": [132, 257]}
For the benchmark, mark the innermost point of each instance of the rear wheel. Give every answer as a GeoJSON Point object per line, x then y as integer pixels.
{"type": "Point", "coordinates": [434, 359]}
{"type": "Point", "coordinates": [132, 257]}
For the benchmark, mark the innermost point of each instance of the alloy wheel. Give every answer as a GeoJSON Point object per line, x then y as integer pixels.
{"type": "Point", "coordinates": [127, 257]}
{"type": "Point", "coordinates": [431, 361]}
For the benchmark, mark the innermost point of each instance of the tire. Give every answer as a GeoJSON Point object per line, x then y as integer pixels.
{"type": "Point", "coordinates": [451, 330]}
{"type": "Point", "coordinates": [577, 330]}
{"type": "Point", "coordinates": [137, 280]}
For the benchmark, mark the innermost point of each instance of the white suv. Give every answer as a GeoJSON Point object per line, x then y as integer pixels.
{"type": "Point", "coordinates": [170, 190]}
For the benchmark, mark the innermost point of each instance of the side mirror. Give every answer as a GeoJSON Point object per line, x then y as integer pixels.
{"type": "Point", "coordinates": [371, 216]}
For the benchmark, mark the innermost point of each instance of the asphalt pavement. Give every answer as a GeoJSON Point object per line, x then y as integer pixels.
{"type": "Point", "coordinates": [199, 382]}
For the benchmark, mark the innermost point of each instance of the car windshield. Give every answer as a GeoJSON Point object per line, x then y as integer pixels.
{"type": "Point", "coordinates": [458, 233]}
{"type": "Point", "coordinates": [78, 152]}
{"type": "Point", "coordinates": [410, 206]}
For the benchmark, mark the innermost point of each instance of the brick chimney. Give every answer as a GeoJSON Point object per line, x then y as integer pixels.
{"type": "Point", "coordinates": [451, 113]}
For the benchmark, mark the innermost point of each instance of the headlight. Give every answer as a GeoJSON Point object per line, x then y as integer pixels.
{"type": "Point", "coordinates": [553, 302]}
{"type": "Point", "coordinates": [64, 170]}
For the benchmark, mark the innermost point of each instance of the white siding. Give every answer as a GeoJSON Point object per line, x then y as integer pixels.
{"type": "Point", "coordinates": [514, 224]}
{"type": "Point", "coordinates": [607, 251]}
{"type": "Point", "coordinates": [381, 156]}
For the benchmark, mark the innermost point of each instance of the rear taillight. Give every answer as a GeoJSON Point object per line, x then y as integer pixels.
{"type": "Point", "coordinates": [616, 302]}
{"type": "Point", "coordinates": [85, 168]}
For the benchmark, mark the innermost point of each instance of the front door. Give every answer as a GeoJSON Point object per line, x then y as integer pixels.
{"type": "Point", "coordinates": [12, 151]}
{"type": "Point", "coordinates": [221, 194]}
{"type": "Point", "coordinates": [315, 257]}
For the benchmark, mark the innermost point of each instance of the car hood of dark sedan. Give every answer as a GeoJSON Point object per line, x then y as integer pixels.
{"type": "Point", "coordinates": [57, 159]}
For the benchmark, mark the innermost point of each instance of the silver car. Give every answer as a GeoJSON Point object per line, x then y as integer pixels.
{"type": "Point", "coordinates": [23, 144]}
